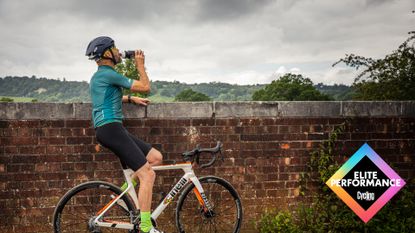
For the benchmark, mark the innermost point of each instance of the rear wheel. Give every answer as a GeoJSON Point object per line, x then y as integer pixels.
{"type": "Point", "coordinates": [226, 215]}
{"type": "Point", "coordinates": [79, 207]}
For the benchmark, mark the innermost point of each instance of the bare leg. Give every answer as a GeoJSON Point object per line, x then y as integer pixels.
{"type": "Point", "coordinates": [146, 175]}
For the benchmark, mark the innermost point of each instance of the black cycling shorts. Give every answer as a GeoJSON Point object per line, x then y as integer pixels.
{"type": "Point", "coordinates": [131, 150]}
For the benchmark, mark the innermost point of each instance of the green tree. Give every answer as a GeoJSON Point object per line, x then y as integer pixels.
{"type": "Point", "coordinates": [6, 99]}
{"type": "Point", "coordinates": [189, 95]}
{"type": "Point", "coordinates": [290, 87]}
{"type": "Point", "coordinates": [128, 69]}
{"type": "Point", "coordinates": [388, 78]}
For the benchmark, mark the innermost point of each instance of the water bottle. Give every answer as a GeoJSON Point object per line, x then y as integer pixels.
{"type": "Point", "coordinates": [129, 54]}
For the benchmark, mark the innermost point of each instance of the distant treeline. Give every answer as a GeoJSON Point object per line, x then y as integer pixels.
{"type": "Point", "coordinates": [52, 90]}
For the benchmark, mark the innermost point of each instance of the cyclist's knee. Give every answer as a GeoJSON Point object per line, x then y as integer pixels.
{"type": "Point", "coordinates": [155, 157]}
{"type": "Point", "coordinates": [158, 158]}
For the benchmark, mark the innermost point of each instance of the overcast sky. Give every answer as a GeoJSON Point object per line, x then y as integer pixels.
{"type": "Point", "coordinates": [193, 41]}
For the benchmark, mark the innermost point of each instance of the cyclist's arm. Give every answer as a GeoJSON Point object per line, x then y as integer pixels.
{"type": "Point", "coordinates": [142, 85]}
{"type": "Point", "coordinates": [136, 100]}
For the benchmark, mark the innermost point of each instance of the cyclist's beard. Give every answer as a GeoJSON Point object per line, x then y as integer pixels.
{"type": "Point", "coordinates": [117, 59]}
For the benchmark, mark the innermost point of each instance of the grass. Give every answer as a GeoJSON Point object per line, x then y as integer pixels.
{"type": "Point", "coordinates": [18, 99]}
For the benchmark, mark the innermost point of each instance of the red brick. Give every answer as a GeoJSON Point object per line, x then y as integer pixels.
{"type": "Point", "coordinates": [203, 122]}
{"type": "Point", "coordinates": [32, 150]}
{"type": "Point", "coordinates": [139, 132]}
{"type": "Point", "coordinates": [65, 132]}
{"type": "Point", "coordinates": [250, 122]}
{"type": "Point", "coordinates": [24, 124]}
{"type": "Point", "coordinates": [51, 140]}
{"type": "Point", "coordinates": [277, 192]}
{"type": "Point", "coordinates": [179, 122]}
{"type": "Point", "coordinates": [156, 123]}
{"type": "Point", "coordinates": [68, 166]}
{"type": "Point", "coordinates": [78, 123]}
{"type": "Point", "coordinates": [19, 141]}
{"type": "Point", "coordinates": [78, 140]}
{"type": "Point", "coordinates": [24, 159]}
{"type": "Point", "coordinates": [317, 136]}
{"type": "Point", "coordinates": [269, 121]}
{"type": "Point", "coordinates": [4, 124]}
{"type": "Point", "coordinates": [11, 150]}
{"type": "Point", "coordinates": [290, 121]}
{"type": "Point", "coordinates": [294, 129]}
{"type": "Point", "coordinates": [133, 123]}
{"type": "Point", "coordinates": [51, 149]}
{"type": "Point", "coordinates": [155, 131]}
{"type": "Point", "coordinates": [77, 149]}
{"type": "Point", "coordinates": [168, 131]}
{"type": "Point", "coordinates": [10, 132]}
{"type": "Point", "coordinates": [78, 132]}
{"type": "Point", "coordinates": [81, 166]}
{"type": "Point", "coordinates": [51, 132]}
{"type": "Point", "coordinates": [52, 158]}
{"type": "Point", "coordinates": [52, 176]}
{"type": "Point", "coordinates": [24, 177]}
{"type": "Point", "coordinates": [24, 132]}
{"type": "Point", "coordinates": [85, 157]}
{"type": "Point", "coordinates": [227, 122]}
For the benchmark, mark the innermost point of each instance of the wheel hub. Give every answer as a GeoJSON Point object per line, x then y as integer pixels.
{"type": "Point", "coordinates": [91, 226]}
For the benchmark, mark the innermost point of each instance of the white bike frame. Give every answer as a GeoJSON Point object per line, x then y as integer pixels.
{"type": "Point", "coordinates": [189, 175]}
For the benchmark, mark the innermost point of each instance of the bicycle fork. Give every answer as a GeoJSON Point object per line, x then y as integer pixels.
{"type": "Point", "coordinates": [201, 197]}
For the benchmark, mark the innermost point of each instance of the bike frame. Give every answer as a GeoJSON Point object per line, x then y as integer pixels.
{"type": "Point", "coordinates": [189, 175]}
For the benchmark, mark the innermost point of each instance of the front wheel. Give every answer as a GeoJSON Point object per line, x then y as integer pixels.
{"type": "Point", "coordinates": [78, 208]}
{"type": "Point", "coordinates": [226, 208]}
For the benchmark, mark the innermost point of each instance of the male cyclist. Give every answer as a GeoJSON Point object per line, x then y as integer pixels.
{"type": "Point", "coordinates": [106, 94]}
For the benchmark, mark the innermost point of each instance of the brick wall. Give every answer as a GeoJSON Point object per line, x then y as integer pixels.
{"type": "Point", "coordinates": [45, 149]}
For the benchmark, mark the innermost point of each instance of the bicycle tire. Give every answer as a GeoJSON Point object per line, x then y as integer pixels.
{"type": "Point", "coordinates": [82, 199]}
{"type": "Point", "coordinates": [191, 218]}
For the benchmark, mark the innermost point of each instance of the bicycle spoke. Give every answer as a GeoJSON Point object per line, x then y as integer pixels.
{"type": "Point", "coordinates": [227, 209]}
{"type": "Point", "coordinates": [84, 203]}
{"type": "Point", "coordinates": [224, 207]}
{"type": "Point", "coordinates": [71, 216]}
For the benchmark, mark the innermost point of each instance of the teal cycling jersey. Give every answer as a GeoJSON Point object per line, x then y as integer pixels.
{"type": "Point", "coordinates": [106, 95]}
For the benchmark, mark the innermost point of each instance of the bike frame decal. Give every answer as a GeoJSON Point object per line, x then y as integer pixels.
{"type": "Point", "coordinates": [205, 200]}
{"type": "Point", "coordinates": [182, 182]}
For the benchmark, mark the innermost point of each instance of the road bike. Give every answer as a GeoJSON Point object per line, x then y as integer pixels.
{"type": "Point", "coordinates": [207, 204]}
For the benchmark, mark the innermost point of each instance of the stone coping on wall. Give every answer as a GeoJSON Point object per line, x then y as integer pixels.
{"type": "Point", "coordinates": [28, 111]}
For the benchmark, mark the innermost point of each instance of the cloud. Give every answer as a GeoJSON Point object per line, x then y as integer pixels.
{"type": "Point", "coordinates": [230, 10]}
{"type": "Point", "coordinates": [240, 41]}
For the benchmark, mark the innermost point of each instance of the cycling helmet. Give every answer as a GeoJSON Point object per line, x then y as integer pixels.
{"type": "Point", "coordinates": [97, 47]}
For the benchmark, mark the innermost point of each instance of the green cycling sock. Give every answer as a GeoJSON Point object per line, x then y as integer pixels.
{"type": "Point", "coordinates": [145, 224]}
{"type": "Point", "coordinates": [125, 185]}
